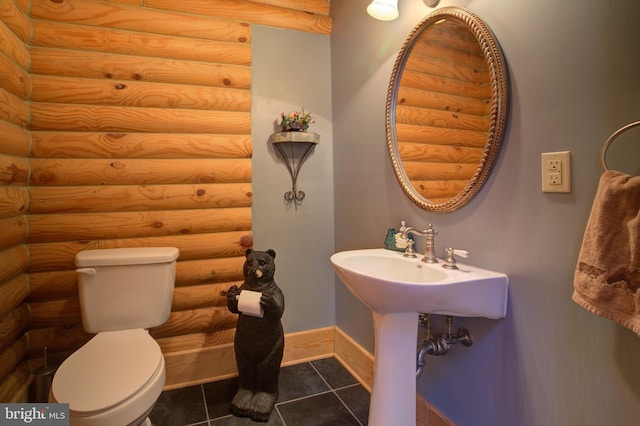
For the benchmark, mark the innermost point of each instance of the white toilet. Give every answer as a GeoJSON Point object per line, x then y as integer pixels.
{"type": "Point", "coordinates": [116, 377]}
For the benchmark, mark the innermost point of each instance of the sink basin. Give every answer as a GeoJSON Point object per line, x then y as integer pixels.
{"type": "Point", "coordinates": [396, 289]}
{"type": "Point", "coordinates": [386, 281]}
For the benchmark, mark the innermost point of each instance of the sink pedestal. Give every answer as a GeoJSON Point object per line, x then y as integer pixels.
{"type": "Point", "coordinates": [393, 397]}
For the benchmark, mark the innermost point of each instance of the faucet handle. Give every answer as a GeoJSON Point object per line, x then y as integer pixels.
{"type": "Point", "coordinates": [450, 261]}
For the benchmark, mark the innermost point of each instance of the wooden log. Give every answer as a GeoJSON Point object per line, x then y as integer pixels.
{"type": "Point", "coordinates": [15, 383]}
{"type": "Point", "coordinates": [12, 293]}
{"type": "Point", "coordinates": [71, 90]}
{"type": "Point", "coordinates": [13, 325]}
{"type": "Point", "coordinates": [138, 145]}
{"type": "Point", "coordinates": [139, 172]}
{"type": "Point", "coordinates": [14, 200]}
{"type": "Point", "coordinates": [439, 171]}
{"type": "Point", "coordinates": [195, 321]}
{"type": "Point", "coordinates": [321, 7]}
{"type": "Point", "coordinates": [52, 285]}
{"type": "Point", "coordinates": [78, 199]}
{"type": "Point", "coordinates": [49, 116]}
{"type": "Point", "coordinates": [23, 5]}
{"type": "Point", "coordinates": [249, 11]}
{"type": "Point", "coordinates": [437, 118]}
{"type": "Point", "coordinates": [188, 342]}
{"type": "Point", "coordinates": [73, 63]}
{"type": "Point", "coordinates": [13, 170]}
{"type": "Point", "coordinates": [439, 188]}
{"type": "Point", "coordinates": [14, 79]}
{"type": "Point", "coordinates": [13, 47]}
{"type": "Point", "coordinates": [13, 109]}
{"type": "Point", "coordinates": [201, 296]}
{"type": "Point", "coordinates": [14, 140]}
{"type": "Point", "coordinates": [16, 20]}
{"type": "Point", "coordinates": [430, 153]}
{"type": "Point", "coordinates": [70, 36]}
{"type": "Point", "coordinates": [471, 70]}
{"type": "Point", "coordinates": [440, 135]}
{"type": "Point", "coordinates": [203, 271]}
{"type": "Point", "coordinates": [89, 226]}
{"type": "Point", "coordinates": [11, 357]}
{"type": "Point", "coordinates": [14, 231]}
{"type": "Point", "coordinates": [52, 313]}
{"type": "Point", "coordinates": [428, 82]}
{"type": "Point", "coordinates": [60, 255]}
{"type": "Point", "coordinates": [56, 339]}
{"type": "Point", "coordinates": [13, 262]}
{"type": "Point", "coordinates": [408, 96]}
{"type": "Point", "coordinates": [142, 19]}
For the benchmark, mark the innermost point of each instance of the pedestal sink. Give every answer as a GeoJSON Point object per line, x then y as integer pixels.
{"type": "Point", "coordinates": [397, 289]}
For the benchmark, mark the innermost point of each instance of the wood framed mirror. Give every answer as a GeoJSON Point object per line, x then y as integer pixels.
{"type": "Point", "coordinates": [446, 109]}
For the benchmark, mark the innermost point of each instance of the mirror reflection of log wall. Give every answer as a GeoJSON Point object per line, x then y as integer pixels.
{"type": "Point", "coordinates": [125, 125]}
{"type": "Point", "coordinates": [442, 112]}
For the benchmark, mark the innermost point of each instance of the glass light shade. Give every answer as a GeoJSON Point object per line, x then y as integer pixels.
{"type": "Point", "coordinates": [384, 10]}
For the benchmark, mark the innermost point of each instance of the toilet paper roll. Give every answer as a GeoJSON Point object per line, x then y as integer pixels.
{"type": "Point", "coordinates": [249, 303]}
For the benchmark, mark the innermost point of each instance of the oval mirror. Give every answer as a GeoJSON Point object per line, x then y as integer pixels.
{"type": "Point", "coordinates": [446, 109]}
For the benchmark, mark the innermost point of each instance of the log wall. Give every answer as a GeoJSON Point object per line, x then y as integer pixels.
{"type": "Point", "coordinates": [125, 123]}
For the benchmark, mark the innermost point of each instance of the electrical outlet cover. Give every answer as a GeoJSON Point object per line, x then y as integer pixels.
{"type": "Point", "coordinates": [556, 171]}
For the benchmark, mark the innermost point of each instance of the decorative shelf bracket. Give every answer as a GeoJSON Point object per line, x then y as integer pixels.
{"type": "Point", "coordinates": [294, 148]}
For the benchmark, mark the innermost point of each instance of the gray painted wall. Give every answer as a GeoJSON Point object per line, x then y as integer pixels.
{"type": "Point", "coordinates": [291, 70]}
{"type": "Point", "coordinates": [574, 68]}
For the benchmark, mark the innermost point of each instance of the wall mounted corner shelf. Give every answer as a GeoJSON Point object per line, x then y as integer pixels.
{"type": "Point", "coordinates": [294, 148]}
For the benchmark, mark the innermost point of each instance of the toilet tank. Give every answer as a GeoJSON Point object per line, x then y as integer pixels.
{"type": "Point", "coordinates": [125, 288]}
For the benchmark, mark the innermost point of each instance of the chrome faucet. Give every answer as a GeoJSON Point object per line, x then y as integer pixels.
{"type": "Point", "coordinates": [430, 248]}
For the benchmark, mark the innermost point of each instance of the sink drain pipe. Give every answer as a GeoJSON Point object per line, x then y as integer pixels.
{"type": "Point", "coordinates": [440, 343]}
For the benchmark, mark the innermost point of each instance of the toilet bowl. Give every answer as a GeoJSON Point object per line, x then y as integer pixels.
{"type": "Point", "coordinates": [114, 379]}
{"type": "Point", "coordinates": [117, 376]}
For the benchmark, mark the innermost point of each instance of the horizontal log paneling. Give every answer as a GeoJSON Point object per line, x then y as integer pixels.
{"type": "Point", "coordinates": [13, 47]}
{"type": "Point", "coordinates": [52, 313]}
{"type": "Point", "coordinates": [439, 171]}
{"type": "Point", "coordinates": [91, 12]}
{"type": "Point", "coordinates": [320, 7]}
{"type": "Point", "coordinates": [69, 36]}
{"type": "Point", "coordinates": [14, 79]}
{"type": "Point", "coordinates": [13, 109]}
{"type": "Point", "coordinates": [440, 135]}
{"type": "Point", "coordinates": [439, 188]}
{"type": "Point", "coordinates": [60, 255]}
{"type": "Point", "coordinates": [437, 118]}
{"type": "Point", "coordinates": [52, 285]}
{"type": "Point", "coordinates": [14, 200]}
{"type": "Point", "coordinates": [424, 152]}
{"type": "Point", "coordinates": [13, 170]}
{"type": "Point", "coordinates": [11, 357]}
{"type": "Point", "coordinates": [13, 262]}
{"type": "Point", "coordinates": [202, 271]}
{"type": "Point", "coordinates": [471, 71]}
{"type": "Point", "coordinates": [189, 342]}
{"type": "Point", "coordinates": [12, 326]}
{"type": "Point", "coordinates": [15, 382]}
{"type": "Point", "coordinates": [249, 11]}
{"type": "Point", "coordinates": [201, 296]}
{"type": "Point", "coordinates": [14, 139]}
{"type": "Point", "coordinates": [12, 293]}
{"type": "Point", "coordinates": [144, 197]}
{"type": "Point", "coordinates": [421, 81]}
{"type": "Point", "coordinates": [16, 20]}
{"type": "Point", "coordinates": [408, 96]}
{"type": "Point", "coordinates": [56, 339]}
{"type": "Point", "coordinates": [48, 116]}
{"type": "Point", "coordinates": [73, 63]}
{"type": "Point", "coordinates": [137, 94]}
{"type": "Point", "coordinates": [13, 231]}
{"type": "Point", "coordinates": [195, 321]}
{"type": "Point", "coordinates": [145, 172]}
{"type": "Point", "coordinates": [138, 145]}
{"type": "Point", "coordinates": [88, 226]}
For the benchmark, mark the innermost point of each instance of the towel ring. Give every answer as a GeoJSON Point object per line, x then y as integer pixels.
{"type": "Point", "coordinates": [603, 153]}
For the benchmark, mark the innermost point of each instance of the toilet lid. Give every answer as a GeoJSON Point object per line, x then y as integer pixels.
{"type": "Point", "coordinates": [107, 370]}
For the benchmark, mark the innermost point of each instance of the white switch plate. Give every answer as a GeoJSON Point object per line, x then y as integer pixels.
{"type": "Point", "coordinates": [556, 171]}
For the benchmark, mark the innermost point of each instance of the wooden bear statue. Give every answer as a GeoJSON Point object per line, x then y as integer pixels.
{"type": "Point", "coordinates": [259, 342]}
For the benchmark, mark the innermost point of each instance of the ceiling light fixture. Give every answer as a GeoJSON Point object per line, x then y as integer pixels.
{"type": "Point", "coordinates": [384, 10]}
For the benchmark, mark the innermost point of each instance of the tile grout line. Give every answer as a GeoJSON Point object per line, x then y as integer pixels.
{"type": "Point", "coordinates": [204, 401]}
{"type": "Point", "coordinates": [335, 394]}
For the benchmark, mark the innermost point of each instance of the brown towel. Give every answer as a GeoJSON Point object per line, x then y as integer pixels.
{"type": "Point", "coordinates": [607, 277]}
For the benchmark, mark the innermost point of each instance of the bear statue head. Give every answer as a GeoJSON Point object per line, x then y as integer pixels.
{"type": "Point", "coordinates": [259, 267]}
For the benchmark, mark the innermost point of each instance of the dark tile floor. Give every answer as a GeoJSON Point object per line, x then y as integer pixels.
{"type": "Point", "coordinates": [314, 393]}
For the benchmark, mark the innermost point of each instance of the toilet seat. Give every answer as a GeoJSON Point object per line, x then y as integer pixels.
{"type": "Point", "coordinates": [107, 371]}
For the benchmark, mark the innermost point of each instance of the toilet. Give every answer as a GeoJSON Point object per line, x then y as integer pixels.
{"type": "Point", "coordinates": [116, 377]}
